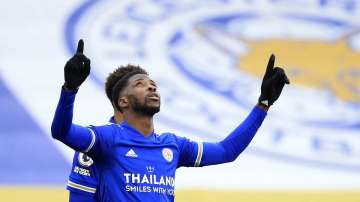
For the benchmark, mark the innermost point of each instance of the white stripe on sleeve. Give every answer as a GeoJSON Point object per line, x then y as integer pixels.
{"type": "Point", "coordinates": [93, 139]}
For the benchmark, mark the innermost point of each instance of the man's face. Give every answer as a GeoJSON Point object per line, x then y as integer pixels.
{"type": "Point", "coordinates": [143, 95]}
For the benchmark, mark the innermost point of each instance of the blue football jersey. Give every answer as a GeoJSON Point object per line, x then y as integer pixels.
{"type": "Point", "coordinates": [83, 175]}
{"type": "Point", "coordinates": [131, 167]}
{"type": "Point", "coordinates": [135, 168]}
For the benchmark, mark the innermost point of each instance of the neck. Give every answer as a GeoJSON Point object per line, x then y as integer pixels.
{"type": "Point", "coordinates": [144, 124]}
{"type": "Point", "coordinates": [118, 117]}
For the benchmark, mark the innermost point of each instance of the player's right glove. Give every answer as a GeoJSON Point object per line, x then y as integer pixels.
{"type": "Point", "coordinates": [272, 84]}
{"type": "Point", "coordinates": [77, 69]}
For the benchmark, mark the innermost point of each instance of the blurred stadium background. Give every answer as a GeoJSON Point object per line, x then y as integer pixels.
{"type": "Point", "coordinates": [207, 57]}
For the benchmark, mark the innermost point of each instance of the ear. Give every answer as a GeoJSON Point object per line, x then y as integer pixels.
{"type": "Point", "coordinates": [123, 102]}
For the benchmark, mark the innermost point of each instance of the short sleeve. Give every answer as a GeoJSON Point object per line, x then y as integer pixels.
{"type": "Point", "coordinates": [83, 176]}
{"type": "Point", "coordinates": [190, 152]}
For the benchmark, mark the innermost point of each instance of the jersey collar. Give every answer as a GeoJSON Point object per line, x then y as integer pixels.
{"type": "Point", "coordinates": [135, 133]}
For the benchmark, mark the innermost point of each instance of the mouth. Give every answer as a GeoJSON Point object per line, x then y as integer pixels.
{"type": "Point", "coordinates": [153, 97]}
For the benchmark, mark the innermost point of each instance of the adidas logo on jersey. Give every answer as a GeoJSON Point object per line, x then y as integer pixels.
{"type": "Point", "coordinates": [131, 153]}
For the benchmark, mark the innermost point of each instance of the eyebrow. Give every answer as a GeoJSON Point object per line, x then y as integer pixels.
{"type": "Point", "coordinates": [142, 79]}
{"type": "Point", "coordinates": [139, 79]}
{"type": "Point", "coordinates": [153, 81]}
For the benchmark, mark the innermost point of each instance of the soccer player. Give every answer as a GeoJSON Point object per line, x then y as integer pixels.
{"type": "Point", "coordinates": [83, 181]}
{"type": "Point", "coordinates": [133, 161]}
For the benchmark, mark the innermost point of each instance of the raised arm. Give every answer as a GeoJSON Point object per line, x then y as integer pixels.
{"type": "Point", "coordinates": [227, 150]}
{"type": "Point", "coordinates": [77, 137]}
{"type": "Point", "coordinates": [230, 148]}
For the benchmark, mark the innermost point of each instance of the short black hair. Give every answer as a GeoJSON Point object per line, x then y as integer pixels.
{"type": "Point", "coordinates": [122, 82]}
{"type": "Point", "coordinates": [117, 74]}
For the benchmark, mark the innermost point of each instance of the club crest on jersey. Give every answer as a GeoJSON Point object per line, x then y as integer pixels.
{"type": "Point", "coordinates": [85, 160]}
{"type": "Point", "coordinates": [167, 154]}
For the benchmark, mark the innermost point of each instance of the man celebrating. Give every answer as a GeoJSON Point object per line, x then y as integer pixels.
{"type": "Point", "coordinates": [83, 179]}
{"type": "Point", "coordinates": [133, 161]}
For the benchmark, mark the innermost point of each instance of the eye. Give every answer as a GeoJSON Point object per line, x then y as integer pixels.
{"type": "Point", "coordinates": [139, 84]}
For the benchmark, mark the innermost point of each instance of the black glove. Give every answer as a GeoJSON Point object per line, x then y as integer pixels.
{"type": "Point", "coordinates": [273, 83]}
{"type": "Point", "coordinates": [76, 69]}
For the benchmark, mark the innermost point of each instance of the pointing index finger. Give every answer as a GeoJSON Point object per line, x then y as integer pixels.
{"type": "Point", "coordinates": [270, 66]}
{"type": "Point", "coordinates": [80, 46]}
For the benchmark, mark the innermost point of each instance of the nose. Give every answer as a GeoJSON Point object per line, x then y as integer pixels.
{"type": "Point", "coordinates": [152, 88]}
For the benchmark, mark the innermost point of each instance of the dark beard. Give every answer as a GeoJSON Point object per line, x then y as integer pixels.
{"type": "Point", "coordinates": [142, 109]}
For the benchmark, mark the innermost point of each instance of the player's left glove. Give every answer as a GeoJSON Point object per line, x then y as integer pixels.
{"type": "Point", "coordinates": [272, 84]}
{"type": "Point", "coordinates": [77, 69]}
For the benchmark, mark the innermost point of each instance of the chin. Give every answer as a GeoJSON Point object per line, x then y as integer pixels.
{"type": "Point", "coordinates": [154, 106]}
{"type": "Point", "coordinates": [155, 109]}
{"type": "Point", "coordinates": [150, 110]}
